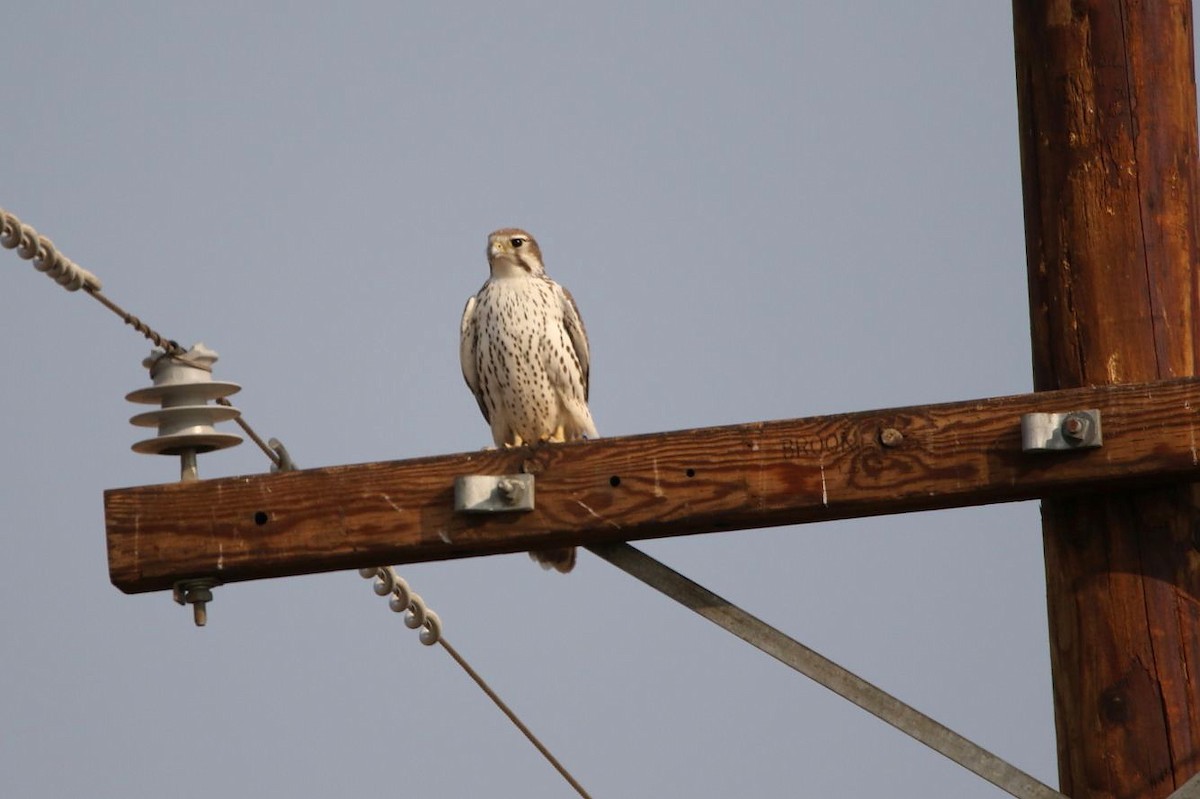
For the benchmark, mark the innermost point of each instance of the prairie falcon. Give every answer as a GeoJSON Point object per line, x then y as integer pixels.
{"type": "Point", "coordinates": [525, 357]}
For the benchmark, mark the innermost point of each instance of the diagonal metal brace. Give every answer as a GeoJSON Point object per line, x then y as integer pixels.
{"type": "Point", "coordinates": [1189, 790]}
{"type": "Point", "coordinates": [815, 666]}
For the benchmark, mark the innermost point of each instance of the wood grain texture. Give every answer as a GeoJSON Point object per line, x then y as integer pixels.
{"type": "Point", "coordinates": [1107, 107]}
{"type": "Point", "coordinates": [1107, 101]}
{"type": "Point", "coordinates": [678, 483]}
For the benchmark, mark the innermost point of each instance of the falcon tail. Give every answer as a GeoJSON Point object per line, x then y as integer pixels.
{"type": "Point", "coordinates": [561, 560]}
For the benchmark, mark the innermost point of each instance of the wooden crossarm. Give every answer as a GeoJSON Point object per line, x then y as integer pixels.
{"type": "Point", "coordinates": [662, 484]}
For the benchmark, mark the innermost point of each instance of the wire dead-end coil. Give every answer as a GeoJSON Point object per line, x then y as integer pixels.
{"type": "Point", "coordinates": [387, 582]}
{"type": "Point", "coordinates": [32, 246]}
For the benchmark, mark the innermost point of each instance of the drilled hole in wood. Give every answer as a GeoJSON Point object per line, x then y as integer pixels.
{"type": "Point", "coordinates": [261, 517]}
{"type": "Point", "coordinates": [690, 472]}
{"type": "Point", "coordinates": [614, 481]}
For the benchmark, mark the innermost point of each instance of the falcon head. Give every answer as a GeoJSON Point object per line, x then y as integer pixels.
{"type": "Point", "coordinates": [512, 252]}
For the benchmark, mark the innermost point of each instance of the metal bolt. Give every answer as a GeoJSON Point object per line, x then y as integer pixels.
{"type": "Point", "coordinates": [510, 491]}
{"type": "Point", "coordinates": [187, 466]}
{"type": "Point", "coordinates": [890, 437]}
{"type": "Point", "coordinates": [1075, 428]}
{"type": "Point", "coordinates": [197, 593]}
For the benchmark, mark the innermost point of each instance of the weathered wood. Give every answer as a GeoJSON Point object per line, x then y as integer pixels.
{"type": "Point", "coordinates": [690, 481]}
{"type": "Point", "coordinates": [1107, 101]}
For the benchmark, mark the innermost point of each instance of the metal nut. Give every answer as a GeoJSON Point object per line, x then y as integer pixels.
{"type": "Point", "coordinates": [510, 491]}
{"type": "Point", "coordinates": [1075, 427]}
{"type": "Point", "coordinates": [197, 593]}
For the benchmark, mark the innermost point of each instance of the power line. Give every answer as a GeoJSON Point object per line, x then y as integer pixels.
{"type": "Point", "coordinates": [403, 600]}
{"type": "Point", "coordinates": [33, 246]}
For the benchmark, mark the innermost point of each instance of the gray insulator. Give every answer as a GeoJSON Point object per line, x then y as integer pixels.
{"type": "Point", "coordinates": [183, 386]}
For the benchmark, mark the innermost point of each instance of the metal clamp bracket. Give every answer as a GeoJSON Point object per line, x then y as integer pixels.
{"type": "Point", "coordinates": [1051, 432]}
{"type": "Point", "coordinates": [493, 493]}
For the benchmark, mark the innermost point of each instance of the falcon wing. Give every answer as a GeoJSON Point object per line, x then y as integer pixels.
{"type": "Point", "coordinates": [468, 341]}
{"type": "Point", "coordinates": [574, 324]}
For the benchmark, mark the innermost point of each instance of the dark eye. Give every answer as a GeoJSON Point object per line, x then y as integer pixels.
{"type": "Point", "coordinates": [516, 242]}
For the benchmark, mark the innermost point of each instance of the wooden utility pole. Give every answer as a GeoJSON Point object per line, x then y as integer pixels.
{"type": "Point", "coordinates": [1107, 106]}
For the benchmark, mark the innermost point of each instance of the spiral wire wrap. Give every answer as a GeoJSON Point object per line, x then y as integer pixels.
{"type": "Point", "coordinates": [403, 600]}
{"type": "Point", "coordinates": [388, 583]}
{"type": "Point", "coordinates": [32, 246]}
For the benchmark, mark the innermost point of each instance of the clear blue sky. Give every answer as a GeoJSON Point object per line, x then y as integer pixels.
{"type": "Point", "coordinates": [765, 211]}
